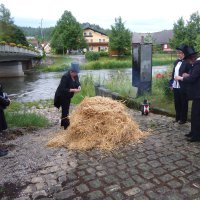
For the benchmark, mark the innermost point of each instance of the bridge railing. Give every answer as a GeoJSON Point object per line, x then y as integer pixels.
{"type": "Point", "coordinates": [17, 50]}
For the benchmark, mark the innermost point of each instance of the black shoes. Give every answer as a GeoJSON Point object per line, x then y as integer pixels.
{"type": "Point", "coordinates": [3, 152]}
{"type": "Point", "coordinates": [188, 134]}
{"type": "Point", "coordinates": [193, 139]}
{"type": "Point", "coordinates": [182, 122]}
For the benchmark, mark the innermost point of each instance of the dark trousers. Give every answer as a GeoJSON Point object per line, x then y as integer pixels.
{"type": "Point", "coordinates": [65, 103]}
{"type": "Point", "coordinates": [181, 104]}
{"type": "Point", "coordinates": [195, 119]}
{"type": "Point", "coordinates": [3, 124]}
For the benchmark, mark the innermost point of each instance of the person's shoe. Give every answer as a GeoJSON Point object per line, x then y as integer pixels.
{"type": "Point", "coordinates": [3, 153]}
{"type": "Point", "coordinates": [182, 122]}
{"type": "Point", "coordinates": [193, 139]}
{"type": "Point", "coordinates": [188, 134]}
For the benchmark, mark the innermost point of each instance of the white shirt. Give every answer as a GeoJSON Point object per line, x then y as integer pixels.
{"type": "Point", "coordinates": [176, 73]}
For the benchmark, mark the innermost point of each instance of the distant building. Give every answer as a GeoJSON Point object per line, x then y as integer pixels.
{"type": "Point", "coordinates": [96, 40]}
{"type": "Point", "coordinates": [33, 41]}
{"type": "Point", "coordinates": [159, 38]}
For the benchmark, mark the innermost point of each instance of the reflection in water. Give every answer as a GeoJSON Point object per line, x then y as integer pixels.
{"type": "Point", "coordinates": [33, 87]}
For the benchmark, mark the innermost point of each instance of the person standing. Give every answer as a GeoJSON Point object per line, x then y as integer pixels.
{"type": "Point", "coordinates": [4, 102]}
{"type": "Point", "coordinates": [193, 81]}
{"type": "Point", "coordinates": [178, 87]}
{"type": "Point", "coordinates": [69, 85]}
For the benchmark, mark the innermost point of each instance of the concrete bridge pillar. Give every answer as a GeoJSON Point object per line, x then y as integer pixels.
{"type": "Point", "coordinates": [11, 69]}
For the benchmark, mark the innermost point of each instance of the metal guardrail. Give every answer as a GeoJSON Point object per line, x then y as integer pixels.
{"type": "Point", "coordinates": [7, 49]}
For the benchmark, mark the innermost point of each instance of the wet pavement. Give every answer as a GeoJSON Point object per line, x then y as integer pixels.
{"type": "Point", "coordinates": [163, 166]}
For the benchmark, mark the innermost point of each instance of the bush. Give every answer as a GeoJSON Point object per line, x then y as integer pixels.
{"type": "Point", "coordinates": [2, 43]}
{"type": "Point", "coordinates": [91, 56]}
{"type": "Point", "coordinates": [161, 85]}
{"type": "Point", "coordinates": [103, 54]}
{"type": "Point", "coordinates": [12, 44]}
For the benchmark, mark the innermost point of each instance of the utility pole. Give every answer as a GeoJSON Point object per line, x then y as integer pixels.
{"type": "Point", "coordinates": [41, 28]}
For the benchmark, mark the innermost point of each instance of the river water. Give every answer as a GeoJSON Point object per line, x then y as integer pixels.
{"type": "Point", "coordinates": [36, 86]}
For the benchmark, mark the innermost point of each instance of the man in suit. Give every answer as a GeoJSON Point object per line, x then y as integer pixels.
{"type": "Point", "coordinates": [178, 87]}
{"type": "Point", "coordinates": [193, 81]}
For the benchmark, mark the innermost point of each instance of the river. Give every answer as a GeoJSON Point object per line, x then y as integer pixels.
{"type": "Point", "coordinates": [36, 86]}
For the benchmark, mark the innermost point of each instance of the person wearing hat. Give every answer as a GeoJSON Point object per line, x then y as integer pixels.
{"type": "Point", "coordinates": [193, 81]}
{"type": "Point", "coordinates": [178, 87]}
{"type": "Point", "coordinates": [4, 102]}
{"type": "Point", "coordinates": [69, 85]}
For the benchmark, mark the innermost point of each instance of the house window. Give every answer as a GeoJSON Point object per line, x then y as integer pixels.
{"type": "Point", "coordinates": [90, 33]}
{"type": "Point", "coordinates": [99, 40]}
{"type": "Point", "coordinates": [165, 46]}
{"type": "Point", "coordinates": [104, 40]}
{"type": "Point", "coordinates": [91, 40]}
{"type": "Point", "coordinates": [85, 33]}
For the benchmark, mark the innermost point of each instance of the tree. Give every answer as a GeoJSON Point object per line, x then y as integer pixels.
{"type": "Point", "coordinates": [197, 43]}
{"type": "Point", "coordinates": [186, 32]}
{"type": "Point", "coordinates": [9, 32]}
{"type": "Point", "coordinates": [5, 15]}
{"type": "Point", "coordinates": [68, 34]}
{"type": "Point", "coordinates": [120, 38]}
{"type": "Point", "coordinates": [179, 32]}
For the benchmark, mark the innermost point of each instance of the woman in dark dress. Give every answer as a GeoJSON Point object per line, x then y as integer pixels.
{"type": "Point", "coordinates": [4, 102]}
{"type": "Point", "coordinates": [69, 85]}
{"type": "Point", "coordinates": [179, 88]}
{"type": "Point", "coordinates": [193, 81]}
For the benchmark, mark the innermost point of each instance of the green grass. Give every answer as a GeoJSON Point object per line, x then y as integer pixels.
{"type": "Point", "coordinates": [163, 59]}
{"type": "Point", "coordinates": [126, 62]}
{"type": "Point", "coordinates": [18, 114]}
{"type": "Point", "coordinates": [87, 89]}
{"type": "Point", "coordinates": [24, 119]}
{"type": "Point", "coordinates": [60, 63]}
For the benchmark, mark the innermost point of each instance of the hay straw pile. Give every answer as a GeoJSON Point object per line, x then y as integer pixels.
{"type": "Point", "coordinates": [98, 122]}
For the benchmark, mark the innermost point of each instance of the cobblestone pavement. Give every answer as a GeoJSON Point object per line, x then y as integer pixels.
{"type": "Point", "coordinates": [163, 166]}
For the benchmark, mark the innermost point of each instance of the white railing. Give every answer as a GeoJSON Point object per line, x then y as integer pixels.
{"type": "Point", "coordinates": [17, 50]}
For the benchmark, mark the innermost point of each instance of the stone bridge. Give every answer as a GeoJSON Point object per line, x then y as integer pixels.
{"type": "Point", "coordinates": [15, 60]}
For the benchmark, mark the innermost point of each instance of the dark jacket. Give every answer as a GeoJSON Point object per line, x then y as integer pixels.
{"type": "Point", "coordinates": [4, 102]}
{"type": "Point", "coordinates": [184, 68]}
{"type": "Point", "coordinates": [65, 85]}
{"type": "Point", "coordinates": [193, 81]}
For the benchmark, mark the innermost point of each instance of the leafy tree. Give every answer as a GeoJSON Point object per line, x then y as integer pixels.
{"type": "Point", "coordinates": [120, 38]}
{"type": "Point", "coordinates": [186, 32]}
{"type": "Point", "coordinates": [9, 32]}
{"type": "Point", "coordinates": [193, 29]}
{"type": "Point", "coordinates": [179, 32]}
{"type": "Point", "coordinates": [197, 43]}
{"type": "Point", "coordinates": [68, 34]}
{"type": "Point", "coordinates": [5, 15]}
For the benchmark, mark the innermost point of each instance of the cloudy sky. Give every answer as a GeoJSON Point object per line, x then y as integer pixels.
{"type": "Point", "coordinates": [138, 15]}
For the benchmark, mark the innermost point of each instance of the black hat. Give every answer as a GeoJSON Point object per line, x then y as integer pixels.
{"type": "Point", "coordinates": [75, 67]}
{"type": "Point", "coordinates": [190, 51]}
{"type": "Point", "coordinates": [183, 48]}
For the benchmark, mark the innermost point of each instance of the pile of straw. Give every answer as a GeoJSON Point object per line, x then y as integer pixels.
{"type": "Point", "coordinates": [98, 122]}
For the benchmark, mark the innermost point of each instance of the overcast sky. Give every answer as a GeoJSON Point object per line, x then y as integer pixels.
{"type": "Point", "coordinates": [138, 15]}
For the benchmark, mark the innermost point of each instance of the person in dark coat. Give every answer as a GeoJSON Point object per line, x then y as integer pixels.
{"type": "Point", "coordinates": [4, 102]}
{"type": "Point", "coordinates": [193, 81]}
{"type": "Point", "coordinates": [69, 85]}
{"type": "Point", "coordinates": [179, 88]}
